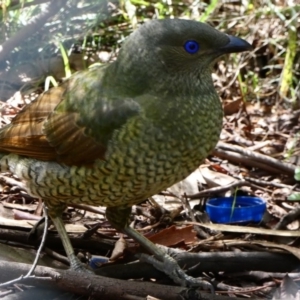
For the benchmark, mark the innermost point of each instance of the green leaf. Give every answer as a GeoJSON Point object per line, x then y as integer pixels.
{"type": "Point", "coordinates": [294, 197]}
{"type": "Point", "coordinates": [297, 174]}
{"type": "Point", "coordinates": [65, 60]}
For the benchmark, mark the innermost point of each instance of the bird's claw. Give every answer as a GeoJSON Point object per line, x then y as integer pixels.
{"type": "Point", "coordinates": [78, 266]}
{"type": "Point", "coordinates": [84, 269]}
{"type": "Point", "coordinates": [169, 266]}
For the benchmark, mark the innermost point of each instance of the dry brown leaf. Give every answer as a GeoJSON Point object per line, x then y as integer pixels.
{"type": "Point", "coordinates": [173, 235]}
{"type": "Point", "coordinates": [119, 248]}
{"type": "Point", "coordinates": [232, 107]}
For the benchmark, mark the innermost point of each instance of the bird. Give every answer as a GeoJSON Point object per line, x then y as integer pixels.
{"type": "Point", "coordinates": [116, 134]}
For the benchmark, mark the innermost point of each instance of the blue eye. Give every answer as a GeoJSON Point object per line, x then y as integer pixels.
{"type": "Point", "coordinates": [191, 47]}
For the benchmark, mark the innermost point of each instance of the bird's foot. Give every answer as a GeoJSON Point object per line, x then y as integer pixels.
{"type": "Point", "coordinates": [78, 266]}
{"type": "Point", "coordinates": [169, 266]}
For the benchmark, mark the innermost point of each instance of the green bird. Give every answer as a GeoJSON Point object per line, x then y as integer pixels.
{"type": "Point", "coordinates": [117, 134]}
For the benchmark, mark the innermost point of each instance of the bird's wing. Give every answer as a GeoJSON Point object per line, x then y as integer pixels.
{"type": "Point", "coordinates": [71, 124]}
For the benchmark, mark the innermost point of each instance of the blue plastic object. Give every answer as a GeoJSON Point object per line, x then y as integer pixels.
{"type": "Point", "coordinates": [96, 261]}
{"type": "Point", "coordinates": [245, 209]}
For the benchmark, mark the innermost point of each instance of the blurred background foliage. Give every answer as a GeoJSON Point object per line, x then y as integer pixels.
{"type": "Point", "coordinates": [91, 31]}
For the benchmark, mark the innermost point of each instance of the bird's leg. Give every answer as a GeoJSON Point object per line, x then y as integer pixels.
{"type": "Point", "coordinates": [56, 217]}
{"type": "Point", "coordinates": [118, 217]}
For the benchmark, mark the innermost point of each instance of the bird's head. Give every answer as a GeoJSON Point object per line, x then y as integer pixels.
{"type": "Point", "coordinates": [162, 49]}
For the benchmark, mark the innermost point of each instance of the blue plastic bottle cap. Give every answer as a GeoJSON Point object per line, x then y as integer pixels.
{"type": "Point", "coordinates": [241, 209]}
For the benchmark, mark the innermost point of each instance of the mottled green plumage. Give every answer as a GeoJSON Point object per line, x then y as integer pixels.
{"type": "Point", "coordinates": [115, 135]}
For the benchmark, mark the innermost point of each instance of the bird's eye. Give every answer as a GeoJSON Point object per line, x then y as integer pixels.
{"type": "Point", "coordinates": [191, 46]}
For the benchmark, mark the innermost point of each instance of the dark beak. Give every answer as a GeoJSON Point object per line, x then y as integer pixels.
{"type": "Point", "coordinates": [236, 45]}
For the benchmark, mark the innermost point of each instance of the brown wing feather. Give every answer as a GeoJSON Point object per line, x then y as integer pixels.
{"type": "Point", "coordinates": [65, 142]}
{"type": "Point", "coordinates": [24, 135]}
{"type": "Point", "coordinates": [71, 143]}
